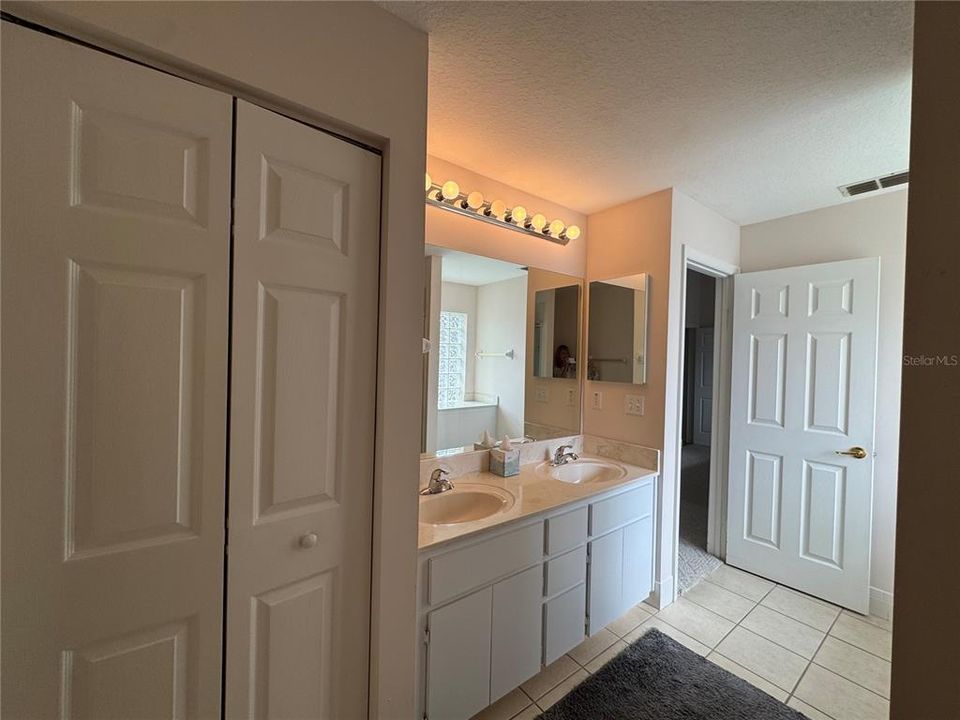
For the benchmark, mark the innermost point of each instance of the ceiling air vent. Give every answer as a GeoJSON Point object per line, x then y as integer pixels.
{"type": "Point", "coordinates": [880, 183]}
{"type": "Point", "coordinates": [900, 178]}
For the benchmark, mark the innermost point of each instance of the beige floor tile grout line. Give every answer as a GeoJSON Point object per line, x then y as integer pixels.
{"type": "Point", "coordinates": [856, 647]}
{"type": "Point", "coordinates": [810, 662]}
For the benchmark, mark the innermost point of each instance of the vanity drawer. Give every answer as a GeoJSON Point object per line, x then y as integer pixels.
{"type": "Point", "coordinates": [566, 531]}
{"type": "Point", "coordinates": [566, 571]}
{"type": "Point", "coordinates": [621, 509]}
{"type": "Point", "coordinates": [460, 570]}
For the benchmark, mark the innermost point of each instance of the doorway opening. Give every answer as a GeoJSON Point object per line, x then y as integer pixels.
{"type": "Point", "coordinates": [694, 557]}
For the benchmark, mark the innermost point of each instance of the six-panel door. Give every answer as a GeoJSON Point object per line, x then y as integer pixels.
{"type": "Point", "coordinates": [116, 187]}
{"type": "Point", "coordinates": [803, 390]}
{"type": "Point", "coordinates": [303, 403]}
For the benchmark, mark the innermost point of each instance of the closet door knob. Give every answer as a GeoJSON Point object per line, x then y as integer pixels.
{"type": "Point", "coordinates": [309, 540]}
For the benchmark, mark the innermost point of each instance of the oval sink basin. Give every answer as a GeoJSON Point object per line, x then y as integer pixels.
{"type": "Point", "coordinates": [465, 503]}
{"type": "Point", "coordinates": [584, 471]}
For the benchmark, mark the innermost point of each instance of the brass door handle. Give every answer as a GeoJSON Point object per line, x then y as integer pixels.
{"type": "Point", "coordinates": [858, 452]}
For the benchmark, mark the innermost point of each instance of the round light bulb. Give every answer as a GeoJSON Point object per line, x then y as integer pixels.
{"type": "Point", "coordinates": [474, 200]}
{"type": "Point", "coordinates": [538, 222]}
{"type": "Point", "coordinates": [450, 190]}
{"type": "Point", "coordinates": [556, 228]}
{"type": "Point", "coordinates": [498, 209]}
{"type": "Point", "coordinates": [429, 183]}
{"type": "Point", "coordinates": [518, 214]}
{"type": "Point", "coordinates": [573, 232]}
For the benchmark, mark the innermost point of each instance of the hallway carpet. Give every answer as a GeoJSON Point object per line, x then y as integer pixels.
{"type": "Point", "coordinates": [694, 561]}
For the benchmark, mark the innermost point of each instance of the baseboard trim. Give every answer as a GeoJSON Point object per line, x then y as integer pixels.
{"type": "Point", "coordinates": [662, 594]}
{"type": "Point", "coordinates": [881, 603]}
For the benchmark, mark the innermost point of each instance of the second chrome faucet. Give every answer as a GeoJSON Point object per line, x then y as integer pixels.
{"type": "Point", "coordinates": [562, 457]}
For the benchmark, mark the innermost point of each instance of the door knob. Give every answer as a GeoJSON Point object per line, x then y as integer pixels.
{"type": "Point", "coordinates": [858, 452]}
{"type": "Point", "coordinates": [309, 540]}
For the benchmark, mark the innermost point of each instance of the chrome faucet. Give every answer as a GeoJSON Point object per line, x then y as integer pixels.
{"type": "Point", "coordinates": [438, 483]}
{"type": "Point", "coordinates": [561, 457]}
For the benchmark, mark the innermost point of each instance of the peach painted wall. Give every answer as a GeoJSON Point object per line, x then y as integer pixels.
{"type": "Point", "coordinates": [450, 230]}
{"type": "Point", "coordinates": [625, 240]}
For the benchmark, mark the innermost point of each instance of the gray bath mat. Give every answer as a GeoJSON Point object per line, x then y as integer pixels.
{"type": "Point", "coordinates": [657, 678]}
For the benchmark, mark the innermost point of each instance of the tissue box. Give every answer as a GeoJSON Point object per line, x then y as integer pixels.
{"type": "Point", "coordinates": [505, 463]}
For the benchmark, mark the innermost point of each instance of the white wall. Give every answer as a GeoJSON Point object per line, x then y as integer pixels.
{"type": "Point", "coordinates": [862, 228]}
{"type": "Point", "coordinates": [304, 59]}
{"type": "Point", "coordinates": [501, 326]}
{"type": "Point", "coordinates": [694, 228]}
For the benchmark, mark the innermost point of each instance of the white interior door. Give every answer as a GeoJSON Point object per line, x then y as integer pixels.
{"type": "Point", "coordinates": [303, 402]}
{"type": "Point", "coordinates": [116, 194]}
{"type": "Point", "coordinates": [803, 389]}
{"type": "Point", "coordinates": [703, 386]}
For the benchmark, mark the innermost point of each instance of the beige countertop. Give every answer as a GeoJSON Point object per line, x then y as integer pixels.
{"type": "Point", "coordinates": [533, 492]}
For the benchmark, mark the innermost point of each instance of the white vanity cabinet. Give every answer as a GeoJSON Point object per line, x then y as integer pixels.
{"type": "Point", "coordinates": [500, 604]}
{"type": "Point", "coordinates": [620, 556]}
{"type": "Point", "coordinates": [458, 662]}
{"type": "Point", "coordinates": [484, 645]}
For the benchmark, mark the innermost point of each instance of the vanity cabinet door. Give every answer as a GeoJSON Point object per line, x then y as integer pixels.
{"type": "Point", "coordinates": [605, 581]}
{"type": "Point", "coordinates": [637, 562]}
{"type": "Point", "coordinates": [563, 623]}
{"type": "Point", "coordinates": [458, 658]}
{"type": "Point", "coordinates": [517, 635]}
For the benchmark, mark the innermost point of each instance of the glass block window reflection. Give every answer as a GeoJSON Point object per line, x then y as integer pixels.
{"type": "Point", "coordinates": [453, 359]}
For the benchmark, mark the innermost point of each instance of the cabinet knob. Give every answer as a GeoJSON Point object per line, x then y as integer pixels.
{"type": "Point", "coordinates": [309, 540]}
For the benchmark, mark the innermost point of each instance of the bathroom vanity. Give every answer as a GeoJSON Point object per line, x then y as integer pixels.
{"type": "Point", "coordinates": [514, 572]}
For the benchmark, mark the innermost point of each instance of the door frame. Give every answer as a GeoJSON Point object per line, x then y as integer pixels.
{"type": "Point", "coordinates": [722, 272]}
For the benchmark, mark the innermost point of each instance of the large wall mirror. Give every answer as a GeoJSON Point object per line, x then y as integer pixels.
{"type": "Point", "coordinates": [618, 330]}
{"type": "Point", "coordinates": [501, 351]}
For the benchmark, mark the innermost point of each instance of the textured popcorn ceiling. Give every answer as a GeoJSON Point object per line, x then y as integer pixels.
{"type": "Point", "coordinates": [758, 110]}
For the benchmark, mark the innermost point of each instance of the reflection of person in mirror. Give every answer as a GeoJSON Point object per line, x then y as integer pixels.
{"type": "Point", "coordinates": [564, 366]}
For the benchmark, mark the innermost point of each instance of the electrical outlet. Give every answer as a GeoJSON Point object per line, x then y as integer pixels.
{"type": "Point", "coordinates": [597, 400]}
{"type": "Point", "coordinates": [633, 404]}
{"type": "Point", "coordinates": [542, 395]}
{"type": "Point", "coordinates": [570, 397]}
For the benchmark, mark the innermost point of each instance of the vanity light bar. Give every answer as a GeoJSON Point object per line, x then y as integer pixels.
{"type": "Point", "coordinates": [449, 197]}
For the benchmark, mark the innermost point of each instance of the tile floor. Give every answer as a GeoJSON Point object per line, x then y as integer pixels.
{"type": "Point", "coordinates": [828, 663]}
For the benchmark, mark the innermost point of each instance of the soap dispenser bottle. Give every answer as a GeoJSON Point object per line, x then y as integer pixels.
{"type": "Point", "coordinates": [505, 460]}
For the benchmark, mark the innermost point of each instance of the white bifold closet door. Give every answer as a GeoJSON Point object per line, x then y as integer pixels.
{"type": "Point", "coordinates": [116, 181]}
{"type": "Point", "coordinates": [303, 405]}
